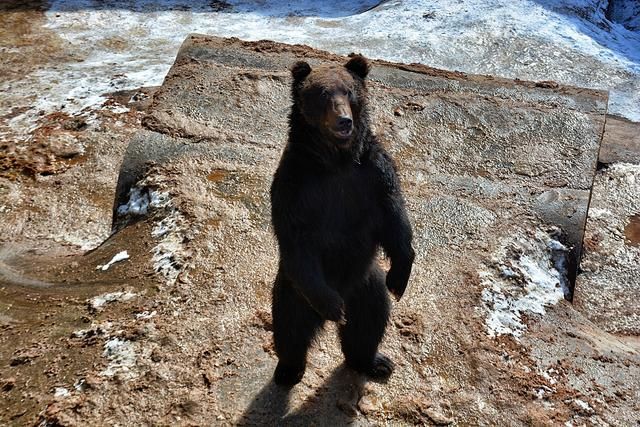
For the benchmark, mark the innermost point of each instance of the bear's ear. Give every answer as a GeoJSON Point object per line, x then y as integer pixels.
{"type": "Point", "coordinates": [359, 65]}
{"type": "Point", "coordinates": [300, 70]}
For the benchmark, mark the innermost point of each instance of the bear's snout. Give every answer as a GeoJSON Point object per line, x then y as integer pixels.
{"type": "Point", "coordinates": [345, 123]}
{"type": "Point", "coordinates": [341, 119]}
{"type": "Point", "coordinates": [343, 128]}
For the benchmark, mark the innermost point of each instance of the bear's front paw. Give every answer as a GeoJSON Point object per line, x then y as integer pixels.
{"type": "Point", "coordinates": [382, 367]}
{"type": "Point", "coordinates": [335, 311]}
{"type": "Point", "coordinates": [396, 283]}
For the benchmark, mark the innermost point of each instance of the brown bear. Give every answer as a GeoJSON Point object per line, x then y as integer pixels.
{"type": "Point", "coordinates": [335, 201]}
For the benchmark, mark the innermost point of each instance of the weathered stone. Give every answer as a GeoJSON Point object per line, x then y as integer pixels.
{"type": "Point", "coordinates": [608, 288]}
{"type": "Point", "coordinates": [621, 141]}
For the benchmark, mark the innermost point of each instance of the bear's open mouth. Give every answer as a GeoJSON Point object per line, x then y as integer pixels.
{"type": "Point", "coordinates": [343, 134]}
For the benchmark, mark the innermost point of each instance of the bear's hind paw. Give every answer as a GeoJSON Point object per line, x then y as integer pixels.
{"type": "Point", "coordinates": [379, 370]}
{"type": "Point", "coordinates": [288, 376]}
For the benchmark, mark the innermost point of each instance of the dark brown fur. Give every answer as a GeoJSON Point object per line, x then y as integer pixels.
{"type": "Point", "coordinates": [335, 200]}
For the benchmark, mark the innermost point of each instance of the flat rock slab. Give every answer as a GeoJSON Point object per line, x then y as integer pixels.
{"type": "Point", "coordinates": [620, 142]}
{"type": "Point", "coordinates": [497, 175]}
{"type": "Point", "coordinates": [509, 144]}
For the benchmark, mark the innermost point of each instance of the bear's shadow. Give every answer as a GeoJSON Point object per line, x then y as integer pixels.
{"type": "Point", "coordinates": [334, 403]}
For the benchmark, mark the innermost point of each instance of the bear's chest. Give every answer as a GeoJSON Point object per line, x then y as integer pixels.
{"type": "Point", "coordinates": [342, 202]}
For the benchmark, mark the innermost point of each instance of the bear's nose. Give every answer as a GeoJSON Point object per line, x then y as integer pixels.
{"type": "Point", "coordinates": [345, 122]}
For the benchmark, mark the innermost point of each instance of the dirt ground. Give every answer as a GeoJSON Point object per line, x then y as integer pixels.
{"type": "Point", "coordinates": [179, 332]}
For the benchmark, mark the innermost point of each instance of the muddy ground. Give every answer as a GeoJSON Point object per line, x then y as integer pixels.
{"type": "Point", "coordinates": [179, 332]}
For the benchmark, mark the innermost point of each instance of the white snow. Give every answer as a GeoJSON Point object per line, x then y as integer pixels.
{"type": "Point", "coordinates": [145, 315]}
{"type": "Point", "coordinates": [122, 358]}
{"type": "Point", "coordinates": [120, 256]}
{"type": "Point", "coordinates": [583, 405]}
{"type": "Point", "coordinates": [168, 255]}
{"type": "Point", "coordinates": [569, 41]}
{"type": "Point", "coordinates": [98, 302]}
{"type": "Point", "coordinates": [165, 226]}
{"type": "Point", "coordinates": [138, 203]}
{"type": "Point", "coordinates": [81, 385]}
{"type": "Point", "coordinates": [140, 199]}
{"type": "Point", "coordinates": [547, 376]}
{"type": "Point", "coordinates": [536, 278]}
{"type": "Point", "coordinates": [61, 392]}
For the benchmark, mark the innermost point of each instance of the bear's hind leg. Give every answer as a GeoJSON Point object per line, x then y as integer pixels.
{"type": "Point", "coordinates": [295, 325]}
{"type": "Point", "coordinates": [367, 314]}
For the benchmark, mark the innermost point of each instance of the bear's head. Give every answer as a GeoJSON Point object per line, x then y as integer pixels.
{"type": "Point", "coordinates": [332, 99]}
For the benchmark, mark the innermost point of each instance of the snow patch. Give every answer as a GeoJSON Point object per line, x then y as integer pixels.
{"type": "Point", "coordinates": [547, 376]}
{"type": "Point", "coordinates": [583, 405]}
{"type": "Point", "coordinates": [117, 109]}
{"type": "Point", "coordinates": [169, 255]}
{"type": "Point", "coordinates": [120, 256]}
{"type": "Point", "coordinates": [527, 274]}
{"type": "Point", "coordinates": [61, 392]}
{"type": "Point", "coordinates": [165, 226]}
{"type": "Point", "coordinates": [81, 385]}
{"type": "Point", "coordinates": [146, 315]}
{"type": "Point", "coordinates": [571, 42]}
{"type": "Point", "coordinates": [141, 199]}
{"type": "Point", "coordinates": [97, 303]}
{"type": "Point", "coordinates": [122, 358]}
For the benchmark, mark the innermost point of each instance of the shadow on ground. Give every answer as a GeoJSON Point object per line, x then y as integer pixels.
{"type": "Point", "coordinates": [334, 403]}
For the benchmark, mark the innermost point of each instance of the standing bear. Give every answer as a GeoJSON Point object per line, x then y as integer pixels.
{"type": "Point", "coordinates": [335, 199]}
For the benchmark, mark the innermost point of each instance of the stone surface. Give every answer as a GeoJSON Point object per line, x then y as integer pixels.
{"type": "Point", "coordinates": [494, 171]}
{"type": "Point", "coordinates": [608, 288]}
{"type": "Point", "coordinates": [499, 141]}
{"type": "Point", "coordinates": [485, 163]}
{"type": "Point", "coordinates": [621, 141]}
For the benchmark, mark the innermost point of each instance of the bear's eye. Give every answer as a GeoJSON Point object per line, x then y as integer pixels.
{"type": "Point", "coordinates": [351, 95]}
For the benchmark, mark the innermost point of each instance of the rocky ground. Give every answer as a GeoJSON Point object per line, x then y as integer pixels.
{"type": "Point", "coordinates": [498, 177]}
